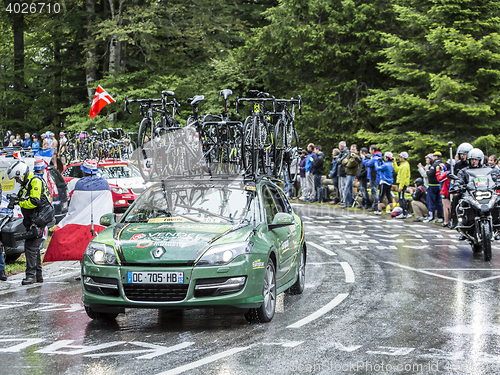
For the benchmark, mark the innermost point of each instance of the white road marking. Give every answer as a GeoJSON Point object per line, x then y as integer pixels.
{"type": "Point", "coordinates": [460, 269]}
{"type": "Point", "coordinates": [204, 361]}
{"type": "Point", "coordinates": [11, 305]}
{"type": "Point", "coordinates": [443, 276]}
{"type": "Point", "coordinates": [343, 348]}
{"type": "Point", "coordinates": [336, 301]}
{"type": "Point", "coordinates": [23, 345]}
{"type": "Point", "coordinates": [153, 350]}
{"type": "Point", "coordinates": [349, 274]}
{"type": "Point", "coordinates": [319, 247]}
{"type": "Point", "coordinates": [292, 344]}
{"type": "Point", "coordinates": [388, 350]}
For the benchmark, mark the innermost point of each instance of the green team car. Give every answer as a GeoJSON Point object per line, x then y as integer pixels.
{"type": "Point", "coordinates": [197, 244]}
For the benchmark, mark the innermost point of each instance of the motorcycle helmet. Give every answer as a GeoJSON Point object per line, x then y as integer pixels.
{"type": "Point", "coordinates": [419, 181]}
{"type": "Point", "coordinates": [18, 169]}
{"type": "Point", "coordinates": [464, 148]}
{"type": "Point", "coordinates": [475, 153]}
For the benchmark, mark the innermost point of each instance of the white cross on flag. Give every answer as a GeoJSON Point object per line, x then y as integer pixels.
{"type": "Point", "coordinates": [101, 99]}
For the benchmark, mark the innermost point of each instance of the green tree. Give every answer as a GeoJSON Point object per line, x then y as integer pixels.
{"type": "Point", "coordinates": [328, 52]}
{"type": "Point", "coordinates": [445, 65]}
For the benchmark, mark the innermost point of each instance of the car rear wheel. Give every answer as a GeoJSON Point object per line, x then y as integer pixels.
{"type": "Point", "coordinates": [99, 316]}
{"type": "Point", "coordinates": [265, 312]}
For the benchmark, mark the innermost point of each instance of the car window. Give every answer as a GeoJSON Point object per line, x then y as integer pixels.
{"type": "Point", "coordinates": [58, 178]}
{"type": "Point", "coordinates": [73, 171]}
{"type": "Point", "coordinates": [269, 204]}
{"type": "Point", "coordinates": [119, 171]}
{"type": "Point", "coordinates": [284, 203]}
{"type": "Point", "coordinates": [202, 203]}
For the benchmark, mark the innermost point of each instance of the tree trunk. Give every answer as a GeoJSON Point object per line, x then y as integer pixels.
{"type": "Point", "coordinates": [115, 46]}
{"type": "Point", "coordinates": [18, 26]}
{"type": "Point", "coordinates": [90, 64]}
{"type": "Point", "coordinates": [57, 81]}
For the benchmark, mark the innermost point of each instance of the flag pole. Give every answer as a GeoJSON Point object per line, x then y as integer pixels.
{"type": "Point", "coordinates": [92, 232]}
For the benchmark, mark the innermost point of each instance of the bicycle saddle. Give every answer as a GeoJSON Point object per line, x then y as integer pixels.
{"type": "Point", "coordinates": [196, 99]}
{"type": "Point", "coordinates": [226, 93]}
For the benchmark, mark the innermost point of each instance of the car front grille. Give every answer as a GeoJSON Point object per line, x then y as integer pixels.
{"type": "Point", "coordinates": [155, 293]}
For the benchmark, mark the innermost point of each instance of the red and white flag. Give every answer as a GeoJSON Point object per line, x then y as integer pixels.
{"type": "Point", "coordinates": [101, 100]}
{"type": "Point", "coordinates": [72, 234]}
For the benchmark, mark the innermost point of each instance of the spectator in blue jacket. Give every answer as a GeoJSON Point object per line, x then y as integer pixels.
{"type": "Point", "coordinates": [35, 145]}
{"type": "Point", "coordinates": [334, 175]}
{"type": "Point", "coordinates": [27, 141]}
{"type": "Point", "coordinates": [369, 161]}
{"type": "Point", "coordinates": [310, 194]}
{"type": "Point", "coordinates": [302, 170]}
{"type": "Point", "coordinates": [386, 180]}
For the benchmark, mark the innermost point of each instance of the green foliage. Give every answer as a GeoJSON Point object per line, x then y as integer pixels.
{"type": "Point", "coordinates": [409, 75]}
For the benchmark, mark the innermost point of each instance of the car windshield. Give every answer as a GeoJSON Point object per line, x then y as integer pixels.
{"type": "Point", "coordinates": [118, 171]}
{"type": "Point", "coordinates": [197, 203]}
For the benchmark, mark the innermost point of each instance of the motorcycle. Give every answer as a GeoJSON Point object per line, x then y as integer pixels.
{"type": "Point", "coordinates": [478, 210]}
{"type": "Point", "coordinates": [12, 231]}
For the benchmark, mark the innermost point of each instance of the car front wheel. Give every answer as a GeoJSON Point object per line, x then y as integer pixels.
{"type": "Point", "coordinates": [265, 312]}
{"type": "Point", "coordinates": [299, 285]}
{"type": "Point", "coordinates": [99, 316]}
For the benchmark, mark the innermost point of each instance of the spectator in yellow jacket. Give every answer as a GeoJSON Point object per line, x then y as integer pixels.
{"type": "Point", "coordinates": [403, 181]}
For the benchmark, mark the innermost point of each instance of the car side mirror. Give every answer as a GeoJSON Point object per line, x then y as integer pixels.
{"type": "Point", "coordinates": [281, 219]}
{"type": "Point", "coordinates": [107, 220]}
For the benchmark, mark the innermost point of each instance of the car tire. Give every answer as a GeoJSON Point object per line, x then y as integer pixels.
{"type": "Point", "coordinates": [265, 312]}
{"type": "Point", "coordinates": [299, 285]}
{"type": "Point", "coordinates": [99, 316]}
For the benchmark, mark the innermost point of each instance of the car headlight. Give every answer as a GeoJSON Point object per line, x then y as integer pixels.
{"type": "Point", "coordinates": [101, 254]}
{"type": "Point", "coordinates": [119, 190]}
{"type": "Point", "coordinates": [224, 254]}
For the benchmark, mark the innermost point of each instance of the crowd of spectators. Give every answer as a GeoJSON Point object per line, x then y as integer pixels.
{"type": "Point", "coordinates": [386, 179]}
{"type": "Point", "coordinates": [36, 143]}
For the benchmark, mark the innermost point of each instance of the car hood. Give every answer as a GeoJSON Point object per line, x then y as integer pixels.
{"type": "Point", "coordinates": [179, 243]}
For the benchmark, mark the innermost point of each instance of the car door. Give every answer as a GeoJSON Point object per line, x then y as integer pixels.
{"type": "Point", "coordinates": [283, 235]}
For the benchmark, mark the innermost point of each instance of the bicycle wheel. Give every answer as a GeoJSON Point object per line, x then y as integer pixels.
{"type": "Point", "coordinates": [248, 154]}
{"type": "Point", "coordinates": [278, 149]}
{"type": "Point", "coordinates": [264, 147]}
{"type": "Point", "coordinates": [233, 150]}
{"type": "Point", "coordinates": [145, 152]}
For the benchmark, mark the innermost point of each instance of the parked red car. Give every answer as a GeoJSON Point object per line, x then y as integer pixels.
{"type": "Point", "coordinates": [123, 177]}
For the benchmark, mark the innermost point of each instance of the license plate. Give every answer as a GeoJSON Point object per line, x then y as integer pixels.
{"type": "Point", "coordinates": [155, 277]}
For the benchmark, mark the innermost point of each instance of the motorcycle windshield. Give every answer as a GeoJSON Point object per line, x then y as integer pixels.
{"type": "Point", "coordinates": [480, 179]}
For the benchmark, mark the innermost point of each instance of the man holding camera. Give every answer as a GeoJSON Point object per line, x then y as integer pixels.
{"type": "Point", "coordinates": [34, 199]}
{"type": "Point", "coordinates": [351, 164]}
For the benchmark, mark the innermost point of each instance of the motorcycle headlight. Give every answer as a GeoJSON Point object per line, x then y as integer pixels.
{"type": "Point", "coordinates": [119, 190]}
{"type": "Point", "coordinates": [102, 254]}
{"type": "Point", "coordinates": [224, 254]}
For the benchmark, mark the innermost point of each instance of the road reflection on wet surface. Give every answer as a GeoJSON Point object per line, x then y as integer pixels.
{"type": "Point", "coordinates": [382, 295]}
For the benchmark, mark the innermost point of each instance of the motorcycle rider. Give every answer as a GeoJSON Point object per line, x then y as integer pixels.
{"type": "Point", "coordinates": [33, 197]}
{"type": "Point", "coordinates": [475, 159]}
{"type": "Point", "coordinates": [462, 152]}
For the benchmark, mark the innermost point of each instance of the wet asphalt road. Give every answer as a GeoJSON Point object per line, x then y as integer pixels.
{"type": "Point", "coordinates": [382, 296]}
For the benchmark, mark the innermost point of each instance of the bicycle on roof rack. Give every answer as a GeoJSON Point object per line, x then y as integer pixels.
{"type": "Point", "coordinates": [164, 147]}
{"type": "Point", "coordinates": [257, 139]}
{"type": "Point", "coordinates": [220, 137]}
{"type": "Point", "coordinates": [286, 139]}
